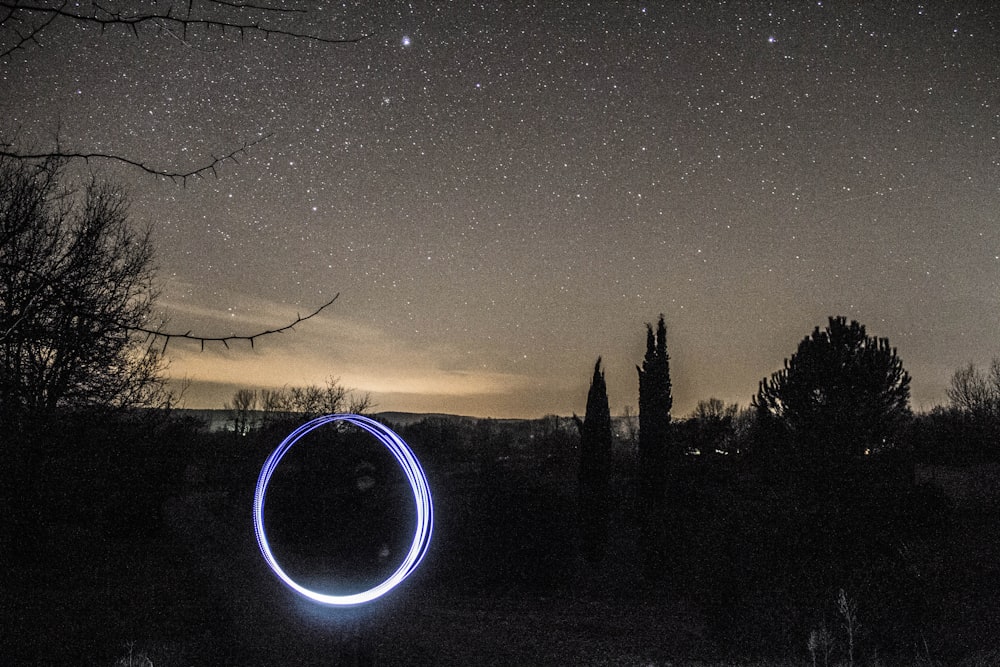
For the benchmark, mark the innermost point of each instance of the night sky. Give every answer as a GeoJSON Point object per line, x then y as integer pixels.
{"type": "Point", "coordinates": [503, 191]}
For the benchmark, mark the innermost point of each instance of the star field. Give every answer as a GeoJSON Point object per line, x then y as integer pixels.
{"type": "Point", "coordinates": [502, 192]}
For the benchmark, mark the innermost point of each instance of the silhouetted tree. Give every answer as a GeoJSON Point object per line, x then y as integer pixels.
{"type": "Point", "coordinates": [251, 408]}
{"type": "Point", "coordinates": [767, 439]}
{"type": "Point", "coordinates": [968, 429]}
{"type": "Point", "coordinates": [842, 394]}
{"type": "Point", "coordinates": [714, 409]}
{"type": "Point", "coordinates": [244, 411]}
{"type": "Point", "coordinates": [76, 287]}
{"type": "Point", "coordinates": [655, 401]}
{"type": "Point", "coordinates": [714, 423]}
{"type": "Point", "coordinates": [630, 429]}
{"type": "Point", "coordinates": [975, 393]}
{"type": "Point", "coordinates": [595, 466]}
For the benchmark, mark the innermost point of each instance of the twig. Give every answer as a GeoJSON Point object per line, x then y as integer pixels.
{"type": "Point", "coordinates": [225, 340]}
{"type": "Point", "coordinates": [174, 176]}
{"type": "Point", "coordinates": [134, 21]}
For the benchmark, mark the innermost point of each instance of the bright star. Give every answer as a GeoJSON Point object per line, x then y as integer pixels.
{"type": "Point", "coordinates": [406, 40]}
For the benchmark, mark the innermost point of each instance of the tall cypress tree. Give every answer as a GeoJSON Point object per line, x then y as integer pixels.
{"type": "Point", "coordinates": [655, 401]}
{"type": "Point", "coordinates": [595, 465]}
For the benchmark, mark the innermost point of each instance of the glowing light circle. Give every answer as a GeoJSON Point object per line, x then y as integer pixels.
{"type": "Point", "coordinates": [421, 494]}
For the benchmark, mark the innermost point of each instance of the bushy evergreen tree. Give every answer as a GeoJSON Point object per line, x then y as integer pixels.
{"type": "Point", "coordinates": [842, 394]}
{"type": "Point", "coordinates": [595, 468]}
{"type": "Point", "coordinates": [655, 401]}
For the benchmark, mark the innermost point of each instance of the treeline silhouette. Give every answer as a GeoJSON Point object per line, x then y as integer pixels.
{"type": "Point", "coordinates": [751, 520]}
{"type": "Point", "coordinates": [777, 521]}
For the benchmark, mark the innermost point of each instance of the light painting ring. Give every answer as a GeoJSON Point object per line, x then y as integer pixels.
{"type": "Point", "coordinates": [421, 494]}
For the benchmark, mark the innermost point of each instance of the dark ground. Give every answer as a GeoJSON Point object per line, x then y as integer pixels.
{"type": "Point", "coordinates": [187, 586]}
{"type": "Point", "coordinates": [151, 547]}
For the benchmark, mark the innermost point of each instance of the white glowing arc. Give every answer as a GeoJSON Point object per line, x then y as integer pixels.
{"type": "Point", "coordinates": [421, 494]}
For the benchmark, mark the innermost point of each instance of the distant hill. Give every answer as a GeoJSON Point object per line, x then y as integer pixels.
{"type": "Point", "coordinates": [407, 418]}
{"type": "Point", "coordinates": [219, 420]}
{"type": "Point", "coordinates": [214, 420]}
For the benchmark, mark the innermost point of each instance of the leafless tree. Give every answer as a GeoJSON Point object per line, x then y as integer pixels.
{"type": "Point", "coordinates": [77, 288]}
{"type": "Point", "coordinates": [714, 409]}
{"type": "Point", "coordinates": [244, 411]}
{"type": "Point", "coordinates": [76, 325]}
{"type": "Point", "coordinates": [849, 613]}
{"type": "Point", "coordinates": [312, 401]}
{"type": "Point", "coordinates": [77, 283]}
{"type": "Point", "coordinates": [294, 404]}
{"type": "Point", "coordinates": [272, 401]}
{"type": "Point", "coordinates": [975, 392]}
{"type": "Point", "coordinates": [715, 424]}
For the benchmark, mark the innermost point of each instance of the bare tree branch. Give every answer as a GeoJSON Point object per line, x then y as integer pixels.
{"type": "Point", "coordinates": [21, 24]}
{"type": "Point", "coordinates": [49, 281]}
{"type": "Point", "coordinates": [105, 17]}
{"type": "Point", "coordinates": [155, 334]}
{"type": "Point", "coordinates": [250, 5]}
{"type": "Point", "coordinates": [32, 33]}
{"type": "Point", "coordinates": [200, 172]}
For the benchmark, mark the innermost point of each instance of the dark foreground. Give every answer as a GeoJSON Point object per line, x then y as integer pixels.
{"type": "Point", "coordinates": [146, 550]}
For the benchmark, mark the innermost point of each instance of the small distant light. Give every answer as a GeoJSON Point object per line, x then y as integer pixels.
{"type": "Point", "coordinates": [772, 39]}
{"type": "Point", "coordinates": [406, 41]}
